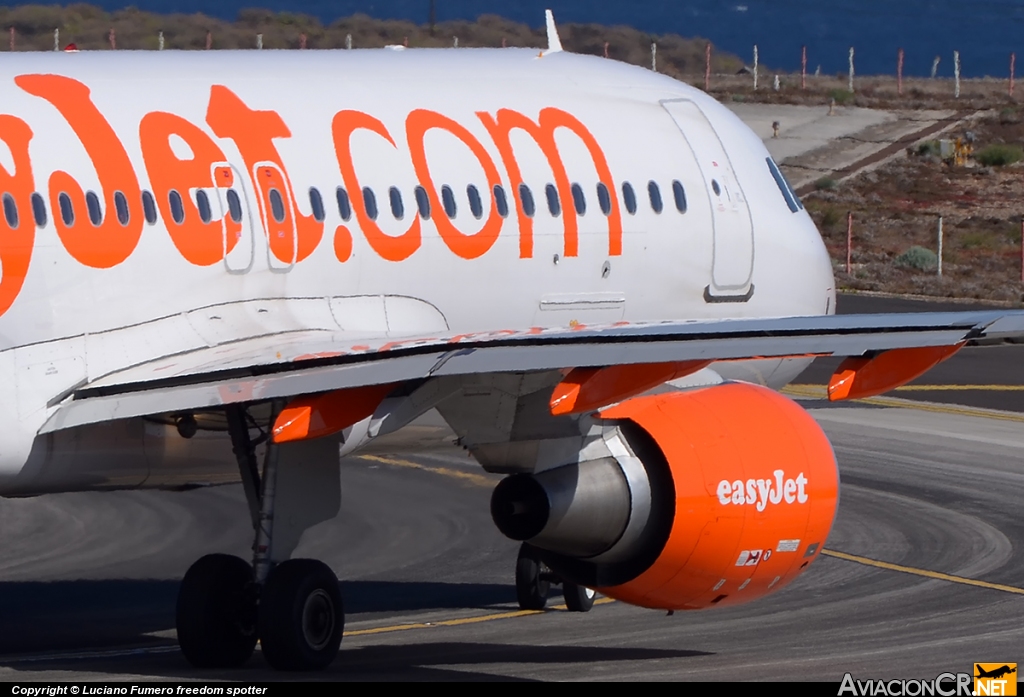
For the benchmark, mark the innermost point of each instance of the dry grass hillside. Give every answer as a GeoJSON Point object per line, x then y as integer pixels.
{"type": "Point", "coordinates": [896, 209]}
{"type": "Point", "coordinates": [89, 28]}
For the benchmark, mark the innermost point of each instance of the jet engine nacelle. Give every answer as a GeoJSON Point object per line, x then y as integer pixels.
{"type": "Point", "coordinates": [709, 497]}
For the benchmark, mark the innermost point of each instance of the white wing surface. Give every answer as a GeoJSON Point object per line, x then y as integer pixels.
{"type": "Point", "coordinates": [300, 363]}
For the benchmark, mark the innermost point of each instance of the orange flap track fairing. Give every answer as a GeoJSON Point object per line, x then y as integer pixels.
{"type": "Point", "coordinates": [857, 378]}
{"type": "Point", "coordinates": [587, 389]}
{"type": "Point", "coordinates": [319, 415]}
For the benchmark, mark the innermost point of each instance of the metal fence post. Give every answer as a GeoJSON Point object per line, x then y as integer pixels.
{"type": "Point", "coordinates": [803, 68]}
{"type": "Point", "coordinates": [899, 73]}
{"type": "Point", "coordinates": [707, 67]}
{"type": "Point", "coordinates": [849, 241]}
{"type": "Point", "coordinates": [755, 67]}
{"type": "Point", "coordinates": [956, 74]}
{"type": "Point", "coordinates": [851, 70]}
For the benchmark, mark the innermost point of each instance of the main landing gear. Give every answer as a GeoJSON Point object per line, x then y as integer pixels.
{"type": "Point", "coordinates": [292, 606]}
{"type": "Point", "coordinates": [534, 580]}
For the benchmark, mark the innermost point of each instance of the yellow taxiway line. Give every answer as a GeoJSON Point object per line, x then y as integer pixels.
{"type": "Point", "coordinates": [922, 572]}
{"type": "Point", "coordinates": [819, 392]}
{"type": "Point", "coordinates": [463, 620]}
{"type": "Point", "coordinates": [961, 388]}
{"type": "Point", "coordinates": [469, 477]}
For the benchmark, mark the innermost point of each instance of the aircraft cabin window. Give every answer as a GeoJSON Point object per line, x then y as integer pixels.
{"type": "Point", "coordinates": [39, 209]}
{"type": "Point", "coordinates": [276, 205]}
{"type": "Point", "coordinates": [203, 204]}
{"type": "Point", "coordinates": [680, 195]}
{"type": "Point", "coordinates": [554, 205]}
{"type": "Point", "coordinates": [448, 200]}
{"type": "Point", "coordinates": [316, 202]}
{"type": "Point", "coordinates": [500, 202]}
{"type": "Point", "coordinates": [149, 207]}
{"type": "Point", "coordinates": [604, 198]}
{"type": "Point", "coordinates": [344, 206]}
{"type": "Point", "coordinates": [92, 204]}
{"type": "Point", "coordinates": [579, 200]}
{"type": "Point", "coordinates": [655, 193]}
{"type": "Point", "coordinates": [629, 198]}
{"type": "Point", "coordinates": [177, 209]}
{"type": "Point", "coordinates": [526, 198]}
{"type": "Point", "coordinates": [787, 191]}
{"type": "Point", "coordinates": [370, 202]}
{"type": "Point", "coordinates": [423, 202]}
{"type": "Point", "coordinates": [121, 208]}
{"type": "Point", "coordinates": [476, 206]}
{"type": "Point", "coordinates": [715, 187]}
{"type": "Point", "coordinates": [397, 205]}
{"type": "Point", "coordinates": [67, 209]}
{"type": "Point", "coordinates": [234, 206]}
{"type": "Point", "coordinates": [10, 211]}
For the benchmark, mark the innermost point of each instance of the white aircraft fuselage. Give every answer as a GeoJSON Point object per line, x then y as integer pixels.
{"type": "Point", "coordinates": [97, 282]}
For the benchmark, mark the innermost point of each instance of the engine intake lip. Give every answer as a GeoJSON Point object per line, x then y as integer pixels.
{"type": "Point", "coordinates": [520, 507]}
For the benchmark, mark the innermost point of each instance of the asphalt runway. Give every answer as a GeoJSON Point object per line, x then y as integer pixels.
{"type": "Point", "coordinates": [88, 581]}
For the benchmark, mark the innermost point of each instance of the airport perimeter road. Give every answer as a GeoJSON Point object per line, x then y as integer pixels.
{"type": "Point", "coordinates": [813, 143]}
{"type": "Point", "coordinates": [88, 582]}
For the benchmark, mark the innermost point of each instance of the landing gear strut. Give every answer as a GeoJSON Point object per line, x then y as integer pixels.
{"type": "Point", "coordinates": [293, 606]}
{"type": "Point", "coordinates": [534, 580]}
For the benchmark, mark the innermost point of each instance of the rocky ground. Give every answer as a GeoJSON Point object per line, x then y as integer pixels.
{"type": "Point", "coordinates": [896, 208]}
{"type": "Point", "coordinates": [896, 205]}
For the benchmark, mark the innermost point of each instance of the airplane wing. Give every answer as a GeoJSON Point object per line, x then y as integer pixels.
{"type": "Point", "coordinates": [301, 363]}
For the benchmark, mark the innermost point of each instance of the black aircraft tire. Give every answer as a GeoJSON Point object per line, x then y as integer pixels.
{"type": "Point", "coordinates": [216, 612]}
{"type": "Point", "coordinates": [301, 616]}
{"type": "Point", "coordinates": [531, 589]}
{"type": "Point", "coordinates": [578, 598]}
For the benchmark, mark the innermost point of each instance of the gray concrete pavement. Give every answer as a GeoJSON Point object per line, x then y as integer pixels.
{"type": "Point", "coordinates": [813, 144]}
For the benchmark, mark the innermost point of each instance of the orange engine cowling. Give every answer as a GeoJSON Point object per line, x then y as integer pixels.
{"type": "Point", "coordinates": [741, 492]}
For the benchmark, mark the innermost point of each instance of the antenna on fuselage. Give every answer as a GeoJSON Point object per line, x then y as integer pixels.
{"type": "Point", "coordinates": [554, 43]}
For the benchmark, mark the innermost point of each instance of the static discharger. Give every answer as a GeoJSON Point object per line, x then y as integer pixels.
{"type": "Point", "coordinates": [587, 389]}
{"type": "Point", "coordinates": [319, 415]}
{"type": "Point", "coordinates": [857, 378]}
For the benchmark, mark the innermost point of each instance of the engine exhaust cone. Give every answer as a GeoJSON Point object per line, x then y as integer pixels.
{"type": "Point", "coordinates": [520, 507]}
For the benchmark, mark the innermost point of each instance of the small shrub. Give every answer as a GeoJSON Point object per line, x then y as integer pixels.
{"type": "Point", "coordinates": [825, 184]}
{"type": "Point", "coordinates": [918, 258]}
{"type": "Point", "coordinates": [841, 96]}
{"type": "Point", "coordinates": [830, 218]}
{"type": "Point", "coordinates": [976, 240]}
{"type": "Point", "coordinates": [929, 148]}
{"type": "Point", "coordinates": [999, 155]}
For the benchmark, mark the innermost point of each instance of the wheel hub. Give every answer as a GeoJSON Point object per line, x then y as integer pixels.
{"type": "Point", "coordinates": [318, 619]}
